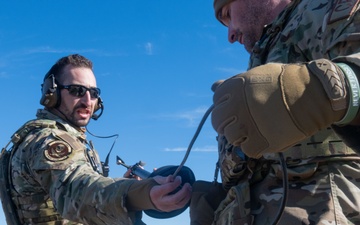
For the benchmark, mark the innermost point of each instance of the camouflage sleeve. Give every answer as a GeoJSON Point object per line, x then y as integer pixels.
{"type": "Point", "coordinates": [79, 193]}
{"type": "Point", "coordinates": [341, 36]}
{"type": "Point", "coordinates": [319, 29]}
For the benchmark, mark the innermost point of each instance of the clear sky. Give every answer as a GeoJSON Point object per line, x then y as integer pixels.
{"type": "Point", "coordinates": [155, 62]}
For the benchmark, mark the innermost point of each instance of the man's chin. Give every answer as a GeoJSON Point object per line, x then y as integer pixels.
{"type": "Point", "coordinates": [82, 122]}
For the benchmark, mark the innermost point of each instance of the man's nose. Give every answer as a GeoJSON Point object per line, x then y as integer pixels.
{"type": "Point", "coordinates": [86, 99]}
{"type": "Point", "coordinates": [233, 35]}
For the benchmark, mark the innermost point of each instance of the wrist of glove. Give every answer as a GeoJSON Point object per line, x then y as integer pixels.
{"type": "Point", "coordinates": [272, 107]}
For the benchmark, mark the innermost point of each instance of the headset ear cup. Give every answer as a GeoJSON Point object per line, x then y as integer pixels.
{"type": "Point", "coordinates": [50, 94]}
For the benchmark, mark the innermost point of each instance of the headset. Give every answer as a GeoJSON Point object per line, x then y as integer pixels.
{"type": "Point", "coordinates": [51, 97]}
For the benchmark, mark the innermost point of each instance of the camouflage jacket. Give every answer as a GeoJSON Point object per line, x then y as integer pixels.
{"type": "Point", "coordinates": [56, 168]}
{"type": "Point", "coordinates": [307, 30]}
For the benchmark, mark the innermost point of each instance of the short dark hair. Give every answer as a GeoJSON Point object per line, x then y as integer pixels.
{"type": "Point", "coordinates": [74, 60]}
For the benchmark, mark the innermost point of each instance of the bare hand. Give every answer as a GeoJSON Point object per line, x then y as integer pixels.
{"type": "Point", "coordinates": [166, 202]}
{"type": "Point", "coordinates": [129, 174]}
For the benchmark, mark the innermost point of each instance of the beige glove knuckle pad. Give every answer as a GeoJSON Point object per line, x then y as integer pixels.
{"type": "Point", "coordinates": [233, 116]}
{"type": "Point", "coordinates": [332, 80]}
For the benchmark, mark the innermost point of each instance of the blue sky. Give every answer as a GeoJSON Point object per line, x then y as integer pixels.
{"type": "Point", "coordinates": [155, 62]}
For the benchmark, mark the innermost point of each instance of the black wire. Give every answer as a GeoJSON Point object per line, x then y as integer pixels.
{"type": "Point", "coordinates": [106, 163]}
{"type": "Point", "coordinates": [95, 117]}
{"type": "Point", "coordinates": [285, 188]}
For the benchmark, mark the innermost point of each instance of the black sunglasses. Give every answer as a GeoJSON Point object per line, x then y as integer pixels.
{"type": "Point", "coordinates": [79, 90]}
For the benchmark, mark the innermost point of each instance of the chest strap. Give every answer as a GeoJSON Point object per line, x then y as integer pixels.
{"type": "Point", "coordinates": [325, 143]}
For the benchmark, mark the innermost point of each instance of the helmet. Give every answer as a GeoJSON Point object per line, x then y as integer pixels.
{"type": "Point", "coordinates": [218, 4]}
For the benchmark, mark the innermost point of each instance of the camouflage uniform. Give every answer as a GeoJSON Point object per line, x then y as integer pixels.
{"type": "Point", "coordinates": [323, 172]}
{"type": "Point", "coordinates": [57, 179]}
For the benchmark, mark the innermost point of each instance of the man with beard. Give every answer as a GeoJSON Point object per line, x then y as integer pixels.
{"type": "Point", "coordinates": [297, 106]}
{"type": "Point", "coordinates": [55, 174]}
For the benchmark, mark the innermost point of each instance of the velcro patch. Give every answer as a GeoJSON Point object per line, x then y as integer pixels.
{"type": "Point", "coordinates": [342, 9]}
{"type": "Point", "coordinates": [57, 151]}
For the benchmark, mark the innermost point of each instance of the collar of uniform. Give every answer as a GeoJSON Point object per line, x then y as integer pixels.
{"type": "Point", "coordinates": [276, 25]}
{"type": "Point", "coordinates": [283, 17]}
{"type": "Point", "coordinates": [45, 114]}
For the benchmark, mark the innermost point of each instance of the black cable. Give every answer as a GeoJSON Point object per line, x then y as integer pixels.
{"type": "Point", "coordinates": [106, 163]}
{"type": "Point", "coordinates": [285, 189]}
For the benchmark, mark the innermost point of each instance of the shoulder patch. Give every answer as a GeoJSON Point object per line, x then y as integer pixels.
{"type": "Point", "coordinates": [57, 151]}
{"type": "Point", "coordinates": [342, 9]}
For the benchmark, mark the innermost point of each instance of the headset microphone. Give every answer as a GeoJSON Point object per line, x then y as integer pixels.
{"type": "Point", "coordinates": [100, 106]}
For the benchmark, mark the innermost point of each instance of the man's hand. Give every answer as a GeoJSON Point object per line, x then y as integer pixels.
{"type": "Point", "coordinates": [272, 107]}
{"type": "Point", "coordinates": [162, 197]}
{"type": "Point", "coordinates": [129, 174]}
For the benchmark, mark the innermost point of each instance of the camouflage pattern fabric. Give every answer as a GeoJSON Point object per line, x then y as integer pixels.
{"type": "Point", "coordinates": [56, 169]}
{"type": "Point", "coordinates": [324, 176]}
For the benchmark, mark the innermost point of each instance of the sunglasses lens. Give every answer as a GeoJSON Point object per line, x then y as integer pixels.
{"type": "Point", "coordinates": [80, 91]}
{"type": "Point", "coordinates": [94, 92]}
{"type": "Point", "coordinates": [75, 91]}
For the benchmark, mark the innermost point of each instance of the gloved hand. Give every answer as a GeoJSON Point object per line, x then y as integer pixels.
{"type": "Point", "coordinates": [272, 107]}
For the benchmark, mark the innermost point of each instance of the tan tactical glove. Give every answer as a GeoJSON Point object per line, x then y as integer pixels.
{"type": "Point", "coordinates": [272, 107]}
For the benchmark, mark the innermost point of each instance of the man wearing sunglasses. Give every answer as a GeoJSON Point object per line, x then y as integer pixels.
{"type": "Point", "coordinates": [55, 174]}
{"type": "Point", "coordinates": [288, 127]}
